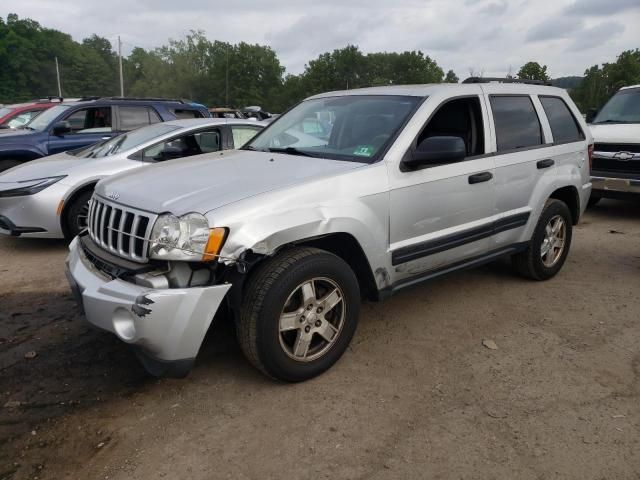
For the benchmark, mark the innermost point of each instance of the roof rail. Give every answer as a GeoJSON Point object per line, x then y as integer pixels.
{"type": "Point", "coordinates": [505, 80]}
{"type": "Point", "coordinates": [148, 99]}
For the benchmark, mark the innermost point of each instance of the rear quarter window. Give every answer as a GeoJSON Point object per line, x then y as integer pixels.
{"type": "Point", "coordinates": [564, 127]}
{"type": "Point", "coordinates": [516, 120]}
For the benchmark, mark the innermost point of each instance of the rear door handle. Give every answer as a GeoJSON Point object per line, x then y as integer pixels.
{"type": "Point", "coordinates": [105, 138]}
{"type": "Point", "coordinates": [545, 163]}
{"type": "Point", "coordinates": [480, 177]}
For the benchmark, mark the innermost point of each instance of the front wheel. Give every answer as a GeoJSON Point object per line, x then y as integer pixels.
{"type": "Point", "coordinates": [299, 313]}
{"type": "Point", "coordinates": [76, 214]}
{"type": "Point", "coordinates": [549, 245]}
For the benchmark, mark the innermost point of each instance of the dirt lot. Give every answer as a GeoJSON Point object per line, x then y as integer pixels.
{"type": "Point", "coordinates": [416, 396]}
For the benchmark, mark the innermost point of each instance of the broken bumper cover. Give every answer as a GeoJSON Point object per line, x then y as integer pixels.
{"type": "Point", "coordinates": [166, 326]}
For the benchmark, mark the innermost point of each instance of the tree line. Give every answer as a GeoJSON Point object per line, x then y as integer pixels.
{"type": "Point", "coordinates": [218, 73]}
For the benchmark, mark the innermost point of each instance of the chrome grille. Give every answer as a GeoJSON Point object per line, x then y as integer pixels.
{"type": "Point", "coordinates": [121, 230]}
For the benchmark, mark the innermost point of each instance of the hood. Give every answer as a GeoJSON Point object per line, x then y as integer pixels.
{"type": "Point", "coordinates": [41, 168]}
{"type": "Point", "coordinates": [6, 134]}
{"type": "Point", "coordinates": [205, 182]}
{"type": "Point", "coordinates": [616, 132]}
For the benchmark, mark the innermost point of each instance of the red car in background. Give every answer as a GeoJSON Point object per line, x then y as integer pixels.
{"type": "Point", "coordinates": [19, 114]}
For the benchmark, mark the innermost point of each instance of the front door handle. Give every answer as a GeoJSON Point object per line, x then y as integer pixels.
{"type": "Point", "coordinates": [480, 177]}
{"type": "Point", "coordinates": [105, 138]}
{"type": "Point", "coordinates": [545, 163]}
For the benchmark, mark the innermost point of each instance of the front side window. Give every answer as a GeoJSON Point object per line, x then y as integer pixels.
{"type": "Point", "coordinates": [623, 107]}
{"type": "Point", "coordinates": [461, 117]}
{"type": "Point", "coordinates": [204, 141]}
{"type": "Point", "coordinates": [564, 127]}
{"type": "Point", "coordinates": [355, 128]}
{"type": "Point", "coordinates": [136, 117]}
{"type": "Point", "coordinates": [241, 135]}
{"type": "Point", "coordinates": [517, 124]}
{"type": "Point", "coordinates": [90, 120]}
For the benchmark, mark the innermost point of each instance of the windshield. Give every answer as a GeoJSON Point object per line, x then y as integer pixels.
{"type": "Point", "coordinates": [124, 142]}
{"type": "Point", "coordinates": [5, 111]}
{"type": "Point", "coordinates": [42, 121]}
{"type": "Point", "coordinates": [623, 107]}
{"type": "Point", "coordinates": [351, 127]}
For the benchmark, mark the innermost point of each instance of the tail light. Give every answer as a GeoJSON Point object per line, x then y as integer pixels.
{"type": "Point", "coordinates": [590, 152]}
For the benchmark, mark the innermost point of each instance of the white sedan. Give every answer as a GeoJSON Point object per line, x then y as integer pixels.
{"type": "Point", "coordinates": [48, 198]}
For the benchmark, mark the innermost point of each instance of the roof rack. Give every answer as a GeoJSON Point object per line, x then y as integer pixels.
{"type": "Point", "coordinates": [505, 80]}
{"type": "Point", "coordinates": [153, 99]}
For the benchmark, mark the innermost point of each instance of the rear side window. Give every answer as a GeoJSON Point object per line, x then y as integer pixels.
{"type": "Point", "coordinates": [564, 127]}
{"type": "Point", "coordinates": [136, 117]}
{"type": "Point", "coordinates": [183, 113]}
{"type": "Point", "coordinates": [517, 124]}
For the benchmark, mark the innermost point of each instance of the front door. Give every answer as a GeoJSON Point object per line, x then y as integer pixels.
{"type": "Point", "coordinates": [442, 214]}
{"type": "Point", "coordinates": [88, 126]}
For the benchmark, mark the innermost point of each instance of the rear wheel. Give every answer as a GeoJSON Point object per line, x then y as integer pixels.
{"type": "Point", "coordinates": [76, 214]}
{"type": "Point", "coordinates": [549, 245]}
{"type": "Point", "coordinates": [299, 313]}
{"type": "Point", "coordinates": [7, 164]}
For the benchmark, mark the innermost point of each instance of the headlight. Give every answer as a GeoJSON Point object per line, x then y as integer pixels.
{"type": "Point", "coordinates": [187, 238]}
{"type": "Point", "coordinates": [29, 187]}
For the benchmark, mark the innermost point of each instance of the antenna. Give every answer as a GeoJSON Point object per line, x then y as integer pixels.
{"type": "Point", "coordinates": [58, 77]}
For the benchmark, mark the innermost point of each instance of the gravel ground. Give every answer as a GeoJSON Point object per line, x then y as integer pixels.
{"type": "Point", "coordinates": [417, 395]}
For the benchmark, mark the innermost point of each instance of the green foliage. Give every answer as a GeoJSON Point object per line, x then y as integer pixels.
{"type": "Point", "coordinates": [600, 83]}
{"type": "Point", "coordinates": [568, 83]}
{"type": "Point", "coordinates": [451, 77]}
{"type": "Point", "coordinates": [533, 71]}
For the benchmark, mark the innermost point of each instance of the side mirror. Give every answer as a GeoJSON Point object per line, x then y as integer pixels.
{"type": "Point", "coordinates": [437, 150]}
{"type": "Point", "coordinates": [169, 152]}
{"type": "Point", "coordinates": [591, 115]}
{"type": "Point", "coordinates": [61, 128]}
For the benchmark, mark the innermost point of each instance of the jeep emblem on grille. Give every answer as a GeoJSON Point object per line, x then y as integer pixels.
{"type": "Point", "coordinates": [624, 156]}
{"type": "Point", "coordinates": [113, 195]}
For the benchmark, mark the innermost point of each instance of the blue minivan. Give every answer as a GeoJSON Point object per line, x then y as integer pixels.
{"type": "Point", "coordinates": [72, 125]}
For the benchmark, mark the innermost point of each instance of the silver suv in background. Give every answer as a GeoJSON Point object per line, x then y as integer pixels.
{"type": "Point", "coordinates": [351, 194]}
{"type": "Point", "coordinates": [616, 156]}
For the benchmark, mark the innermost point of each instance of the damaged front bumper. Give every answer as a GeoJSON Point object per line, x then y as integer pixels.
{"type": "Point", "coordinates": [166, 326]}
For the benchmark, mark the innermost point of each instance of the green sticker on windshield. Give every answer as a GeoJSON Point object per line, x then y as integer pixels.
{"type": "Point", "coordinates": [364, 150]}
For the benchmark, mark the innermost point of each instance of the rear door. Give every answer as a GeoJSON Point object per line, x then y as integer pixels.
{"type": "Point", "coordinates": [520, 142]}
{"type": "Point", "coordinates": [89, 125]}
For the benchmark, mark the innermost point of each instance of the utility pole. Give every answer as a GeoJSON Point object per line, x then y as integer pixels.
{"type": "Point", "coordinates": [226, 82]}
{"type": "Point", "coordinates": [120, 60]}
{"type": "Point", "coordinates": [58, 77]}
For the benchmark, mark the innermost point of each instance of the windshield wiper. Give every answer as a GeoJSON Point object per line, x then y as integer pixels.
{"type": "Point", "coordinates": [291, 151]}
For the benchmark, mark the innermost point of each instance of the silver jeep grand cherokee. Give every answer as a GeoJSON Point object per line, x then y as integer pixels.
{"type": "Point", "coordinates": [350, 194]}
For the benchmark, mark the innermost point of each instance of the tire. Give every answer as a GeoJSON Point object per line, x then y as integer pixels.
{"type": "Point", "coordinates": [74, 213]}
{"type": "Point", "coordinates": [281, 285]}
{"type": "Point", "coordinates": [531, 263]}
{"type": "Point", "coordinates": [7, 164]}
{"type": "Point", "coordinates": [593, 200]}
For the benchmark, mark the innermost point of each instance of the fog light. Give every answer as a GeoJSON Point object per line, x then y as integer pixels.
{"type": "Point", "coordinates": [123, 324]}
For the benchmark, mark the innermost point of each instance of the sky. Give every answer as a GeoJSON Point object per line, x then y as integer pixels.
{"type": "Point", "coordinates": [492, 37]}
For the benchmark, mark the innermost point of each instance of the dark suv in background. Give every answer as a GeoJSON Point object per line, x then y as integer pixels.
{"type": "Point", "coordinates": [77, 124]}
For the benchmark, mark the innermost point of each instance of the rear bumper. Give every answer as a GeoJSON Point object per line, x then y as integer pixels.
{"type": "Point", "coordinates": [166, 326]}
